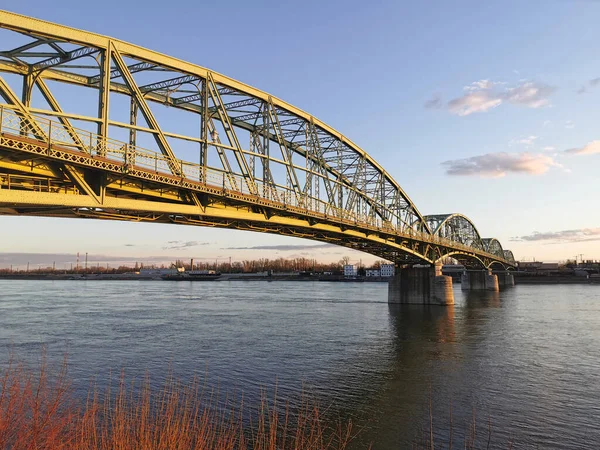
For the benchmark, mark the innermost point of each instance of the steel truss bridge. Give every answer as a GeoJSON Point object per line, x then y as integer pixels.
{"type": "Point", "coordinates": [245, 159]}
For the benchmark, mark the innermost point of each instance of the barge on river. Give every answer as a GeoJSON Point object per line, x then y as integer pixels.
{"type": "Point", "coordinates": [193, 275]}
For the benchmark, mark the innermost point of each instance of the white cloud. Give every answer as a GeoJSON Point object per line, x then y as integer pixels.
{"type": "Point", "coordinates": [530, 94]}
{"type": "Point", "coordinates": [495, 165]}
{"type": "Point", "coordinates": [590, 149]}
{"type": "Point", "coordinates": [284, 248]}
{"type": "Point", "coordinates": [473, 102]}
{"type": "Point", "coordinates": [526, 141]}
{"type": "Point", "coordinates": [569, 125]}
{"type": "Point", "coordinates": [582, 234]}
{"type": "Point", "coordinates": [179, 245]}
{"type": "Point", "coordinates": [481, 85]}
{"type": "Point", "coordinates": [483, 95]}
{"type": "Point", "coordinates": [549, 149]}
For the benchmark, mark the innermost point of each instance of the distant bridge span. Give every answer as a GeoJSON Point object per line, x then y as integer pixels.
{"type": "Point", "coordinates": [94, 127]}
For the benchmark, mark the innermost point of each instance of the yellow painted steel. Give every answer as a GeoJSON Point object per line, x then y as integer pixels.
{"type": "Point", "coordinates": [26, 198]}
{"type": "Point", "coordinates": [52, 168]}
{"type": "Point", "coordinates": [39, 27]}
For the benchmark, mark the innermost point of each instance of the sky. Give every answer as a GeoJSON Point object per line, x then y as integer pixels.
{"type": "Point", "coordinates": [489, 109]}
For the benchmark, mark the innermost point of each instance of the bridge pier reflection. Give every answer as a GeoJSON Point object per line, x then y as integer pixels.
{"type": "Point", "coordinates": [421, 285]}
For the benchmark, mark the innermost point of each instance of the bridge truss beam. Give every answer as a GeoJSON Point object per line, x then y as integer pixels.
{"type": "Point", "coordinates": [257, 154]}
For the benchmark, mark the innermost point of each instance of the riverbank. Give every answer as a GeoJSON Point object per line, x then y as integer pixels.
{"type": "Point", "coordinates": [223, 277]}
{"type": "Point", "coordinates": [519, 279]}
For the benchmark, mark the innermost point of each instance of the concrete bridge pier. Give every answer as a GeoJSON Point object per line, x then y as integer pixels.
{"type": "Point", "coordinates": [422, 286]}
{"type": "Point", "coordinates": [505, 279]}
{"type": "Point", "coordinates": [479, 280]}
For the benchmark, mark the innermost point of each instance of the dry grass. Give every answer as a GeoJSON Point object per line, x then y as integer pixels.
{"type": "Point", "coordinates": [473, 439]}
{"type": "Point", "coordinates": [38, 412]}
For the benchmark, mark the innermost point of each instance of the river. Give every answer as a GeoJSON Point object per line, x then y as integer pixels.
{"type": "Point", "coordinates": [526, 359]}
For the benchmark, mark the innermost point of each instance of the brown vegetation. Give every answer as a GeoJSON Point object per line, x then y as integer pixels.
{"type": "Point", "coordinates": [473, 439]}
{"type": "Point", "coordinates": [37, 411]}
{"type": "Point", "coordinates": [299, 264]}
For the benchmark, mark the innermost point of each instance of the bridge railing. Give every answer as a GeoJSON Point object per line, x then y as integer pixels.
{"type": "Point", "coordinates": [53, 133]}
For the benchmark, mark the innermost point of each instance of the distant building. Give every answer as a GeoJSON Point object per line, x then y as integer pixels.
{"type": "Point", "coordinates": [350, 270]}
{"type": "Point", "coordinates": [537, 267]}
{"type": "Point", "coordinates": [372, 273]}
{"type": "Point", "coordinates": [529, 266]}
{"type": "Point", "coordinates": [387, 270]}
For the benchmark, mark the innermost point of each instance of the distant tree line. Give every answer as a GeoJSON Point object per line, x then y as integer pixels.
{"type": "Point", "coordinates": [275, 265]}
{"type": "Point", "coordinates": [300, 264]}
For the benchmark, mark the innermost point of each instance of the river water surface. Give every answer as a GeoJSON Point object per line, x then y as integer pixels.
{"type": "Point", "coordinates": [527, 359]}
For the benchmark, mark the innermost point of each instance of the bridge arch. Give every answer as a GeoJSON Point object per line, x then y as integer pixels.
{"type": "Point", "coordinates": [497, 265]}
{"type": "Point", "coordinates": [464, 257]}
{"type": "Point", "coordinates": [493, 246]}
{"type": "Point", "coordinates": [456, 227]}
{"type": "Point", "coordinates": [508, 255]}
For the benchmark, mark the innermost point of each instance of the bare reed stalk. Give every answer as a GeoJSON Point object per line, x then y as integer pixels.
{"type": "Point", "coordinates": [34, 414]}
{"type": "Point", "coordinates": [37, 412]}
{"type": "Point", "coordinates": [425, 439]}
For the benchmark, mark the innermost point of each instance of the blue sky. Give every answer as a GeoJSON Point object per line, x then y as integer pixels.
{"type": "Point", "coordinates": [471, 106]}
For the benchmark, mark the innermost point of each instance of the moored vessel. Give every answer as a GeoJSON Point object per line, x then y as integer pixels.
{"type": "Point", "coordinates": [193, 275]}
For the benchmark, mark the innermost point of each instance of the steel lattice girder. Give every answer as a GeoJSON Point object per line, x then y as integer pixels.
{"type": "Point", "coordinates": [319, 164]}
{"type": "Point", "coordinates": [456, 227]}
{"type": "Point", "coordinates": [396, 208]}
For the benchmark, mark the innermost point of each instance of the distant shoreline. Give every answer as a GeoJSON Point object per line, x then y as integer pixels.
{"type": "Point", "coordinates": [525, 280]}
{"type": "Point", "coordinates": [224, 277]}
